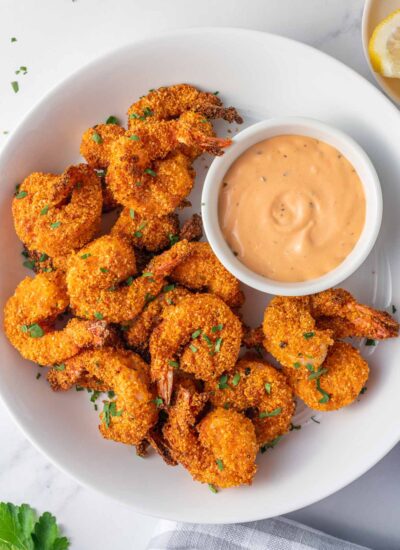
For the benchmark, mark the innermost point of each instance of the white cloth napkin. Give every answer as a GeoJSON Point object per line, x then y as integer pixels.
{"type": "Point", "coordinates": [271, 534]}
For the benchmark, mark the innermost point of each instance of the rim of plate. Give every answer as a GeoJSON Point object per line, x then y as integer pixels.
{"type": "Point", "coordinates": [300, 501]}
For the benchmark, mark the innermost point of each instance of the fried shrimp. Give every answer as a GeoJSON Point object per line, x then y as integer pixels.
{"type": "Point", "coordinates": [56, 214]}
{"type": "Point", "coordinates": [203, 271]}
{"type": "Point", "coordinates": [29, 317]}
{"type": "Point", "coordinates": [336, 309]}
{"type": "Point", "coordinates": [290, 332]}
{"type": "Point", "coordinates": [336, 384]}
{"type": "Point", "coordinates": [170, 102]}
{"type": "Point", "coordinates": [220, 450]}
{"type": "Point", "coordinates": [139, 330]}
{"type": "Point", "coordinates": [127, 419]}
{"type": "Point", "coordinates": [200, 335]}
{"type": "Point", "coordinates": [152, 234]}
{"type": "Point", "coordinates": [100, 279]}
{"type": "Point", "coordinates": [261, 391]}
{"type": "Point", "coordinates": [96, 144]}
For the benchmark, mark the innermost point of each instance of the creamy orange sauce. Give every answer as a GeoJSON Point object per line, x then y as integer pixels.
{"type": "Point", "coordinates": [291, 208]}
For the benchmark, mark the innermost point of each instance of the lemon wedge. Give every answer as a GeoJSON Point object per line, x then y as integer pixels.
{"type": "Point", "coordinates": [384, 46]}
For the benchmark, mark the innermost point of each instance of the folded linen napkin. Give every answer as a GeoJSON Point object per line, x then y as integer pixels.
{"type": "Point", "coordinates": [271, 534]}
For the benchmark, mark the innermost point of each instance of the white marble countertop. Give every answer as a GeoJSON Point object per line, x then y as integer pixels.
{"type": "Point", "coordinates": [55, 37]}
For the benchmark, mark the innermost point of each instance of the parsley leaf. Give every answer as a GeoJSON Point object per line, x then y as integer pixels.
{"type": "Point", "coordinates": [47, 534]}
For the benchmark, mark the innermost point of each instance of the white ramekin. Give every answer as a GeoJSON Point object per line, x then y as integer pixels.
{"type": "Point", "coordinates": [305, 127]}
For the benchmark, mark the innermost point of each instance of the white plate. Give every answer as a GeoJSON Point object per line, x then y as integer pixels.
{"type": "Point", "coordinates": [263, 75]}
{"type": "Point", "coordinates": [374, 12]}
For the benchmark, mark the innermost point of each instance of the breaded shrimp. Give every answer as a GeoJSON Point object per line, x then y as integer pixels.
{"type": "Point", "coordinates": [221, 450]}
{"type": "Point", "coordinates": [96, 144]}
{"type": "Point", "coordinates": [56, 214]}
{"type": "Point", "coordinates": [336, 384]}
{"type": "Point", "coordinates": [336, 309]}
{"type": "Point", "coordinates": [290, 332]}
{"type": "Point", "coordinates": [100, 282]}
{"type": "Point", "coordinates": [172, 101]}
{"type": "Point", "coordinates": [153, 234]}
{"type": "Point", "coordinates": [29, 317]}
{"type": "Point", "coordinates": [192, 229]}
{"type": "Point", "coordinates": [262, 391]}
{"type": "Point", "coordinates": [140, 329]}
{"type": "Point", "coordinates": [203, 271]}
{"type": "Point", "coordinates": [200, 335]}
{"type": "Point", "coordinates": [127, 419]}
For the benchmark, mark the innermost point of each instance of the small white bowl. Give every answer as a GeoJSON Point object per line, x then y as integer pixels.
{"type": "Point", "coordinates": [310, 128]}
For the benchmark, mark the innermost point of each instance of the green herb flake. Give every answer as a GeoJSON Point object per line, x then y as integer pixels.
{"type": "Point", "coordinates": [297, 365]}
{"type": "Point", "coordinates": [310, 367]}
{"type": "Point", "coordinates": [159, 402]}
{"type": "Point", "coordinates": [55, 225]}
{"type": "Point", "coordinates": [21, 195]}
{"type": "Point", "coordinates": [168, 288]}
{"type": "Point", "coordinates": [134, 137]}
{"type": "Point", "coordinates": [149, 297]}
{"type": "Point", "coordinates": [266, 414]}
{"type": "Point", "coordinates": [104, 270]}
{"type": "Point", "coordinates": [15, 86]}
{"type": "Point", "coordinates": [109, 410]}
{"type": "Point", "coordinates": [85, 256]}
{"type": "Point", "coordinates": [271, 444]}
{"type": "Point", "coordinates": [363, 390]}
{"type": "Point", "coordinates": [59, 367]}
{"type": "Point", "coordinates": [220, 464]}
{"type": "Point", "coordinates": [370, 342]}
{"type": "Point", "coordinates": [217, 328]}
{"type": "Point", "coordinates": [193, 348]}
{"type": "Point", "coordinates": [79, 388]}
{"type": "Point", "coordinates": [38, 375]}
{"type": "Point", "coordinates": [317, 374]}
{"type": "Point", "coordinates": [394, 309]}
{"type": "Point", "coordinates": [308, 335]}
{"type": "Point", "coordinates": [196, 333]}
{"type": "Point", "coordinates": [113, 120]}
{"type": "Point", "coordinates": [132, 213]}
{"type": "Point", "coordinates": [29, 264]}
{"type": "Point", "coordinates": [218, 344]}
{"type": "Point", "coordinates": [34, 331]}
{"type": "Point", "coordinates": [43, 257]}
{"type": "Point", "coordinates": [111, 394]}
{"type": "Point", "coordinates": [173, 239]}
{"type": "Point", "coordinates": [294, 427]}
{"type": "Point", "coordinates": [13, 39]}
{"type": "Point", "coordinates": [216, 93]}
{"type": "Point", "coordinates": [223, 382]}
{"type": "Point", "coordinates": [129, 281]}
{"type": "Point", "coordinates": [150, 172]}
{"type": "Point", "coordinates": [97, 138]}
{"type": "Point", "coordinates": [267, 387]}
{"type": "Point", "coordinates": [236, 379]}
{"type": "Point", "coordinates": [212, 488]}
{"type": "Point", "coordinates": [174, 364]}
{"type": "Point", "coordinates": [147, 274]}
{"type": "Point", "coordinates": [98, 315]}
{"type": "Point", "coordinates": [325, 396]}
{"type": "Point", "coordinates": [95, 395]}
{"type": "Point", "coordinates": [44, 210]}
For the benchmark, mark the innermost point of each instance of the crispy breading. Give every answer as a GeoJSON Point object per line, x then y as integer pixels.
{"type": "Point", "coordinates": [56, 214]}
{"type": "Point", "coordinates": [203, 271]}
{"type": "Point", "coordinates": [343, 375]}
{"type": "Point", "coordinates": [96, 144]}
{"type": "Point", "coordinates": [192, 229]}
{"type": "Point", "coordinates": [261, 390]}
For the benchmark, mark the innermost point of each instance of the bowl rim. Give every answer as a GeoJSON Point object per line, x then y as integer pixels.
{"type": "Point", "coordinates": [309, 127]}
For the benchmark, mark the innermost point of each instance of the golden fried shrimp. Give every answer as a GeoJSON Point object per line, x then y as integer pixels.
{"type": "Point", "coordinates": [336, 384]}
{"type": "Point", "coordinates": [159, 191]}
{"type": "Point", "coordinates": [262, 391]}
{"type": "Point", "coordinates": [56, 214]}
{"type": "Point", "coordinates": [100, 279]}
{"type": "Point", "coordinates": [336, 309]}
{"type": "Point", "coordinates": [220, 450]}
{"type": "Point", "coordinates": [291, 335]}
{"type": "Point", "coordinates": [127, 419]}
{"type": "Point", "coordinates": [171, 102]}
{"type": "Point", "coordinates": [29, 317]}
{"type": "Point", "coordinates": [140, 329]}
{"type": "Point", "coordinates": [192, 229]}
{"type": "Point", "coordinates": [200, 335]}
{"type": "Point", "coordinates": [203, 271]}
{"type": "Point", "coordinates": [96, 144]}
{"type": "Point", "coordinates": [153, 234]}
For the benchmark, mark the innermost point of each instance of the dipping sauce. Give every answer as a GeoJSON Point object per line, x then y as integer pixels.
{"type": "Point", "coordinates": [291, 208]}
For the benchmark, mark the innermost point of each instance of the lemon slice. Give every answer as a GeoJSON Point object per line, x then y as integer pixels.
{"type": "Point", "coordinates": [384, 46]}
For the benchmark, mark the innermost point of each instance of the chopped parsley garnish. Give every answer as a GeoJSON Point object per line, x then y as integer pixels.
{"type": "Point", "coordinates": [174, 364]}
{"type": "Point", "coordinates": [95, 395]}
{"type": "Point", "coordinates": [218, 344]}
{"type": "Point", "coordinates": [109, 410]}
{"type": "Point", "coordinates": [113, 120]}
{"type": "Point", "coordinates": [216, 93]}
{"type": "Point", "coordinates": [217, 328]}
{"type": "Point", "coordinates": [212, 488]}
{"type": "Point", "coordinates": [35, 330]}
{"type": "Point", "coordinates": [236, 379]}
{"type": "Point", "coordinates": [148, 274]}
{"type": "Point", "coordinates": [134, 137]}
{"type": "Point", "coordinates": [309, 367]}
{"type": "Point", "coordinates": [44, 210]}
{"type": "Point", "coordinates": [15, 86]}
{"type": "Point", "coordinates": [43, 257]}
{"type": "Point", "coordinates": [111, 394]}
{"type": "Point", "coordinates": [317, 374]}
{"type": "Point", "coordinates": [220, 464]}
{"type": "Point", "coordinates": [79, 388]}
{"type": "Point", "coordinates": [104, 270]}
{"type": "Point", "coordinates": [196, 333]}
{"type": "Point", "coordinates": [308, 335]}
{"type": "Point", "coordinates": [139, 233]}
{"type": "Point", "coordinates": [325, 396]}
{"type": "Point", "coordinates": [22, 70]}
{"type": "Point", "coordinates": [21, 195]}
{"type": "Point", "coordinates": [266, 414]}
{"type": "Point", "coordinates": [267, 387]}
{"type": "Point", "coordinates": [149, 297]}
{"type": "Point", "coordinates": [370, 342]}
{"type": "Point", "coordinates": [159, 402]}
{"type": "Point", "coordinates": [173, 239]}
{"type": "Point", "coordinates": [132, 213]}
{"type": "Point", "coordinates": [271, 444]}
{"type": "Point", "coordinates": [55, 225]}
{"type": "Point", "coordinates": [394, 309]}
{"type": "Point", "coordinates": [59, 367]}
{"type": "Point", "coordinates": [223, 382]}
{"type": "Point", "coordinates": [38, 376]}
{"type": "Point", "coordinates": [294, 427]}
{"type": "Point", "coordinates": [193, 348]}
{"type": "Point", "coordinates": [363, 390]}
{"type": "Point", "coordinates": [247, 371]}
{"type": "Point", "coordinates": [150, 172]}
{"type": "Point", "coordinates": [13, 39]}
{"type": "Point", "coordinates": [129, 281]}
{"type": "Point", "coordinates": [315, 420]}
{"type": "Point", "coordinates": [97, 138]}
{"type": "Point", "coordinates": [227, 406]}
{"type": "Point", "coordinates": [297, 365]}
{"type": "Point", "coordinates": [30, 264]}
{"type": "Point", "coordinates": [168, 288]}
{"type": "Point", "coordinates": [85, 256]}
{"type": "Point", "coordinates": [98, 315]}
